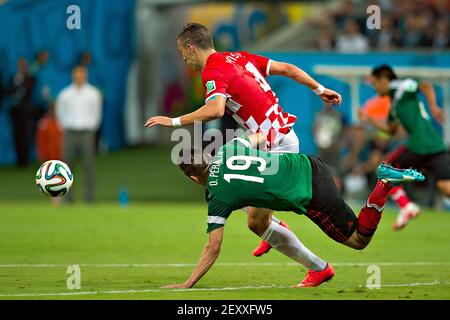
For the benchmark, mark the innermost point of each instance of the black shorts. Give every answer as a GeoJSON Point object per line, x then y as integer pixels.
{"type": "Point", "coordinates": [327, 209]}
{"type": "Point", "coordinates": [435, 164]}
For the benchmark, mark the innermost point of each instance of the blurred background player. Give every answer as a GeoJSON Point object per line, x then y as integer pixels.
{"type": "Point", "coordinates": [79, 111]}
{"type": "Point", "coordinates": [424, 148]}
{"type": "Point", "coordinates": [235, 82]}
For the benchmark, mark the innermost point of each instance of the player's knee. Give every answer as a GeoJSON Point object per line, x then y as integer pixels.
{"type": "Point", "coordinates": [357, 242]}
{"type": "Point", "coordinates": [360, 245]}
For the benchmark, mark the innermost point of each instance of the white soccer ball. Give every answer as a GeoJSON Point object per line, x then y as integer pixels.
{"type": "Point", "coordinates": [54, 178]}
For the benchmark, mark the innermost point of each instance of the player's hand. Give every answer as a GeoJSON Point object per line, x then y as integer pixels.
{"type": "Point", "coordinates": [177, 286]}
{"type": "Point", "coordinates": [159, 120]}
{"type": "Point", "coordinates": [332, 97]}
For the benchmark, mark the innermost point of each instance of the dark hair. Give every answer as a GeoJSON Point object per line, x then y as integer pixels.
{"type": "Point", "coordinates": [384, 71]}
{"type": "Point", "coordinates": [197, 35]}
{"type": "Point", "coordinates": [79, 66]}
{"type": "Point", "coordinates": [194, 163]}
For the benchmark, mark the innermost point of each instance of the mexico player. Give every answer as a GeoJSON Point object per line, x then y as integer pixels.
{"type": "Point", "coordinates": [240, 175]}
{"type": "Point", "coordinates": [235, 82]}
{"type": "Point", "coordinates": [425, 148]}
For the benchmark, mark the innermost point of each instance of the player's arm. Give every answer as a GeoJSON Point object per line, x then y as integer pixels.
{"type": "Point", "coordinates": [300, 76]}
{"type": "Point", "coordinates": [257, 140]}
{"type": "Point", "coordinates": [213, 109]}
{"type": "Point", "coordinates": [209, 256]}
{"type": "Point", "coordinates": [430, 95]}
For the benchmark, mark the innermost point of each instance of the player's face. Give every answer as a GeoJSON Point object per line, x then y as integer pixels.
{"type": "Point", "coordinates": [189, 56]}
{"type": "Point", "coordinates": [79, 75]}
{"type": "Point", "coordinates": [381, 85]}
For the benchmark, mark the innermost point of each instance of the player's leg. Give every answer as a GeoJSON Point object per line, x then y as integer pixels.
{"type": "Point", "coordinates": [254, 217]}
{"type": "Point", "coordinates": [282, 239]}
{"type": "Point", "coordinates": [403, 158]}
{"type": "Point", "coordinates": [70, 147]}
{"type": "Point", "coordinates": [286, 242]}
{"type": "Point", "coordinates": [370, 215]}
{"type": "Point", "coordinates": [327, 209]}
{"type": "Point", "coordinates": [289, 144]}
{"type": "Point", "coordinates": [258, 219]}
{"type": "Point", "coordinates": [88, 156]}
{"type": "Point", "coordinates": [438, 165]}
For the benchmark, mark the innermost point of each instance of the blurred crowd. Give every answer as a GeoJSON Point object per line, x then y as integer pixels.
{"type": "Point", "coordinates": [405, 24]}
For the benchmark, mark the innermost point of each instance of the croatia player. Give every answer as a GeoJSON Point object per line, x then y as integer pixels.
{"type": "Point", "coordinates": [235, 82]}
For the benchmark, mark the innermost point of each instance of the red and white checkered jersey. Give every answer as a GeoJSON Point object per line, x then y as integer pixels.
{"type": "Point", "coordinates": [240, 78]}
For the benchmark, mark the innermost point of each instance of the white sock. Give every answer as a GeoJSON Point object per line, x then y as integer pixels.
{"type": "Point", "coordinates": [275, 220]}
{"type": "Point", "coordinates": [285, 241]}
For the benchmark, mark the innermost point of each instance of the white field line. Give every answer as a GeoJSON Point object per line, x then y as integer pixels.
{"type": "Point", "coordinates": [80, 293]}
{"type": "Point", "coordinates": [137, 291]}
{"type": "Point", "coordinates": [219, 264]}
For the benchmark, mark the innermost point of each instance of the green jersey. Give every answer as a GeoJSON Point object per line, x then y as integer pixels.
{"type": "Point", "coordinates": [411, 114]}
{"type": "Point", "coordinates": [240, 176]}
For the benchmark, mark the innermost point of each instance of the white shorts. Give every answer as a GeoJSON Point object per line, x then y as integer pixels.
{"type": "Point", "coordinates": [288, 144]}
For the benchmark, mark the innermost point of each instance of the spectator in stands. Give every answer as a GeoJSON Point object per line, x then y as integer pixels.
{"type": "Point", "coordinates": [346, 12]}
{"type": "Point", "coordinates": [41, 96]}
{"type": "Point", "coordinates": [440, 37]}
{"type": "Point", "coordinates": [21, 113]}
{"type": "Point", "coordinates": [86, 61]}
{"type": "Point", "coordinates": [443, 7]}
{"type": "Point", "coordinates": [79, 110]}
{"type": "Point", "coordinates": [40, 62]}
{"type": "Point", "coordinates": [413, 33]}
{"type": "Point", "coordinates": [352, 40]}
{"type": "Point", "coordinates": [386, 38]}
{"type": "Point", "coordinates": [325, 41]}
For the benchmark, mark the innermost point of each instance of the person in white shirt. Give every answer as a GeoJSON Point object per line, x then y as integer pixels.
{"type": "Point", "coordinates": [352, 40]}
{"type": "Point", "coordinates": [79, 112]}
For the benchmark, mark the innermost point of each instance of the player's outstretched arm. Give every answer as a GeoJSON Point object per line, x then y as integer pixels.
{"type": "Point", "coordinates": [209, 256]}
{"type": "Point", "coordinates": [300, 76]}
{"type": "Point", "coordinates": [213, 109]}
{"type": "Point", "coordinates": [430, 95]}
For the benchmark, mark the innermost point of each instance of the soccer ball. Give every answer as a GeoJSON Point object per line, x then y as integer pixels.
{"type": "Point", "coordinates": [54, 178]}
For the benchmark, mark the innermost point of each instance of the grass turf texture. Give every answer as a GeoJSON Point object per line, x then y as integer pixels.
{"type": "Point", "coordinates": [168, 229]}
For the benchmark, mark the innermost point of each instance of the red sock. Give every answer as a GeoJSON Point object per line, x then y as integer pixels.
{"type": "Point", "coordinates": [399, 196]}
{"type": "Point", "coordinates": [370, 215]}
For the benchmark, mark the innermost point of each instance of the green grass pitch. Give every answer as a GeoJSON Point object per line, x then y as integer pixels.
{"type": "Point", "coordinates": [129, 253]}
